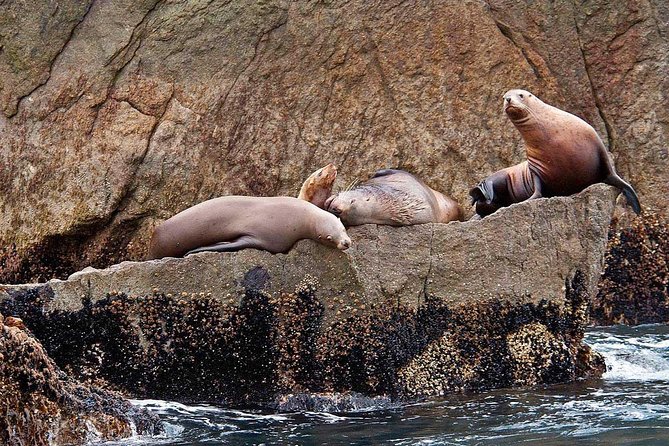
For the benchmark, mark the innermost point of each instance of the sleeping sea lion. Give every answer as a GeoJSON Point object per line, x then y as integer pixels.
{"type": "Point", "coordinates": [393, 197]}
{"type": "Point", "coordinates": [232, 223]}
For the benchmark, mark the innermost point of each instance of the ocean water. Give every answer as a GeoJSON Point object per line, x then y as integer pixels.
{"type": "Point", "coordinates": [629, 406]}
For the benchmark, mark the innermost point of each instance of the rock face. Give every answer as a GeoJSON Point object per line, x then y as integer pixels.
{"type": "Point", "coordinates": [118, 114]}
{"type": "Point", "coordinates": [40, 405]}
{"type": "Point", "coordinates": [407, 312]}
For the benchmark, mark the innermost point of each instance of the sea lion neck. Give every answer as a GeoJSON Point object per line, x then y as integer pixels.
{"type": "Point", "coordinates": [532, 128]}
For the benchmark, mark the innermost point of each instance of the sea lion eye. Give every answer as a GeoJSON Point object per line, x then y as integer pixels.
{"type": "Point", "coordinates": [521, 96]}
{"type": "Point", "coordinates": [329, 237]}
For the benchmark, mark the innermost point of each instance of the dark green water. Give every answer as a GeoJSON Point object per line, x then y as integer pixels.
{"type": "Point", "coordinates": [630, 406]}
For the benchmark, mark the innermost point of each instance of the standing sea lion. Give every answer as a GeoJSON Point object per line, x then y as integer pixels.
{"type": "Point", "coordinates": [232, 223]}
{"type": "Point", "coordinates": [503, 188]}
{"type": "Point", "coordinates": [564, 153]}
{"type": "Point", "coordinates": [393, 197]}
{"type": "Point", "coordinates": [318, 187]}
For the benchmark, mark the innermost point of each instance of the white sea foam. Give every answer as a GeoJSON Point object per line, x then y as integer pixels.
{"type": "Point", "coordinates": [161, 407]}
{"type": "Point", "coordinates": [635, 364]}
{"type": "Point", "coordinates": [632, 357]}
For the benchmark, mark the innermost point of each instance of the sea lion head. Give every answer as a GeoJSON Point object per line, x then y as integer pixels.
{"type": "Point", "coordinates": [351, 206]}
{"type": "Point", "coordinates": [518, 105]}
{"type": "Point", "coordinates": [331, 231]}
{"type": "Point", "coordinates": [318, 187]}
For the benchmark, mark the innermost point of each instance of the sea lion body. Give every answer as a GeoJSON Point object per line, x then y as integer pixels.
{"type": "Point", "coordinates": [393, 197]}
{"type": "Point", "coordinates": [232, 223]}
{"type": "Point", "coordinates": [318, 187]}
{"type": "Point", "coordinates": [564, 153]}
{"type": "Point", "coordinates": [503, 188]}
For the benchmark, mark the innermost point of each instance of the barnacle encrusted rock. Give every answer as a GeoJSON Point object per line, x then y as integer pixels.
{"type": "Point", "coordinates": [40, 405]}
{"type": "Point", "coordinates": [405, 312]}
{"type": "Point", "coordinates": [634, 288]}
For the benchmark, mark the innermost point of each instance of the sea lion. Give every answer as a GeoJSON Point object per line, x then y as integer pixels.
{"type": "Point", "coordinates": [503, 188]}
{"type": "Point", "coordinates": [393, 197]}
{"type": "Point", "coordinates": [564, 153]}
{"type": "Point", "coordinates": [318, 187]}
{"type": "Point", "coordinates": [233, 223]}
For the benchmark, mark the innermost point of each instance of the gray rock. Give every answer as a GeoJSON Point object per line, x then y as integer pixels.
{"type": "Point", "coordinates": [524, 253]}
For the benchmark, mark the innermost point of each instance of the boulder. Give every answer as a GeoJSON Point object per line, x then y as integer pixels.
{"type": "Point", "coordinates": [41, 406]}
{"type": "Point", "coordinates": [116, 115]}
{"type": "Point", "coordinates": [525, 252]}
{"type": "Point", "coordinates": [406, 312]}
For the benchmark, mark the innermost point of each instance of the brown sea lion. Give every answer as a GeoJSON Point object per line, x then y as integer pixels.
{"type": "Point", "coordinates": [318, 187]}
{"type": "Point", "coordinates": [503, 188]}
{"type": "Point", "coordinates": [233, 223]}
{"type": "Point", "coordinates": [393, 197]}
{"type": "Point", "coordinates": [564, 153]}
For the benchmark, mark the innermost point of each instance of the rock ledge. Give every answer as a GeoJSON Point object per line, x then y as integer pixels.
{"type": "Point", "coordinates": [407, 311]}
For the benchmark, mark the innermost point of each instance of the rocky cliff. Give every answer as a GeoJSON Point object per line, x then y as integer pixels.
{"type": "Point", "coordinates": [405, 312]}
{"type": "Point", "coordinates": [117, 114]}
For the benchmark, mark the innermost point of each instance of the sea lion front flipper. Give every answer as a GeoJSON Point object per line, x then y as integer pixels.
{"type": "Point", "coordinates": [242, 242]}
{"type": "Point", "coordinates": [537, 186]}
{"type": "Point", "coordinates": [483, 197]}
{"type": "Point", "coordinates": [630, 194]}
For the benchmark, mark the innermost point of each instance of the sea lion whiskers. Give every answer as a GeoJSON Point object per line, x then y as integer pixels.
{"type": "Point", "coordinates": [351, 185]}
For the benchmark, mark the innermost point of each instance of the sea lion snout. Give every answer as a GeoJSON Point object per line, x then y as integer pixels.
{"type": "Point", "coordinates": [344, 244]}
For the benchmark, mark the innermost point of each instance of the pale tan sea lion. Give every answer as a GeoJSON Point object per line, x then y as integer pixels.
{"type": "Point", "coordinates": [393, 197]}
{"type": "Point", "coordinates": [503, 188]}
{"type": "Point", "coordinates": [318, 187]}
{"type": "Point", "coordinates": [564, 153]}
{"type": "Point", "coordinates": [233, 223]}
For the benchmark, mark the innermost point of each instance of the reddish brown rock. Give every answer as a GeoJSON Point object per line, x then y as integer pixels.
{"type": "Point", "coordinates": [118, 114]}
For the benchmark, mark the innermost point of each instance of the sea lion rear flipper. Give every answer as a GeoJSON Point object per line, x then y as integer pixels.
{"type": "Point", "coordinates": [630, 194]}
{"type": "Point", "coordinates": [236, 245]}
